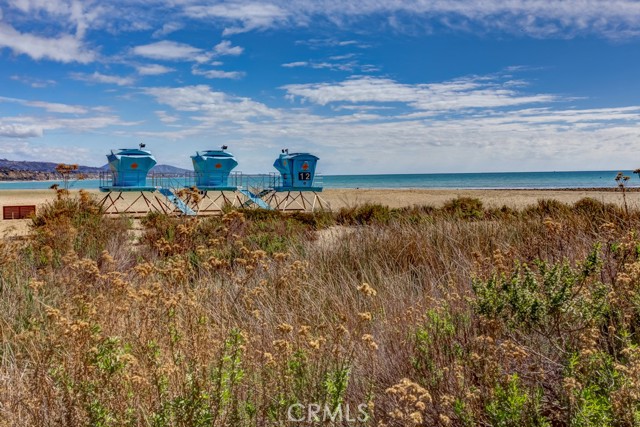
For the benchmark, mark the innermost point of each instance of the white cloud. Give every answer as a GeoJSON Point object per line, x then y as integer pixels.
{"type": "Point", "coordinates": [37, 125]}
{"type": "Point", "coordinates": [165, 117]}
{"type": "Point", "coordinates": [63, 13]}
{"type": "Point", "coordinates": [225, 48]}
{"type": "Point", "coordinates": [64, 48]}
{"type": "Point", "coordinates": [20, 131]}
{"type": "Point", "coordinates": [87, 124]}
{"type": "Point", "coordinates": [296, 64]}
{"type": "Point", "coordinates": [336, 66]}
{"type": "Point", "coordinates": [34, 82]}
{"type": "Point", "coordinates": [167, 28]}
{"type": "Point", "coordinates": [346, 62]}
{"type": "Point", "coordinates": [51, 6]}
{"type": "Point", "coordinates": [23, 150]}
{"type": "Point", "coordinates": [536, 18]}
{"type": "Point", "coordinates": [361, 108]}
{"type": "Point", "coordinates": [209, 105]}
{"type": "Point", "coordinates": [250, 15]}
{"type": "Point", "coordinates": [342, 57]}
{"type": "Point", "coordinates": [171, 51]}
{"type": "Point", "coordinates": [97, 77]}
{"type": "Point", "coordinates": [217, 74]}
{"type": "Point", "coordinates": [617, 19]}
{"type": "Point", "coordinates": [51, 107]}
{"type": "Point", "coordinates": [473, 92]}
{"type": "Point", "coordinates": [54, 107]}
{"type": "Point", "coordinates": [330, 42]}
{"type": "Point", "coordinates": [345, 66]}
{"type": "Point", "coordinates": [152, 69]}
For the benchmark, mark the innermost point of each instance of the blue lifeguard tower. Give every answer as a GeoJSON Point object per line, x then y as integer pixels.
{"type": "Point", "coordinates": [297, 185]}
{"type": "Point", "coordinates": [297, 171]}
{"type": "Point", "coordinates": [129, 173]}
{"type": "Point", "coordinates": [212, 169]}
{"type": "Point", "coordinates": [211, 173]}
{"type": "Point", "coordinates": [129, 169]}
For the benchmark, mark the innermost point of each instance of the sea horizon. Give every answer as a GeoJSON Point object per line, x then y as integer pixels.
{"type": "Point", "coordinates": [448, 180]}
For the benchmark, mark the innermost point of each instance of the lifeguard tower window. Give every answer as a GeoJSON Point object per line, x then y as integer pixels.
{"type": "Point", "coordinates": [304, 176]}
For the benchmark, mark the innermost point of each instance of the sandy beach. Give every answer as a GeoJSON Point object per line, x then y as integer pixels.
{"type": "Point", "coordinates": [338, 198]}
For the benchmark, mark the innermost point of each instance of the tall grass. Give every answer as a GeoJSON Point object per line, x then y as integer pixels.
{"type": "Point", "coordinates": [454, 316]}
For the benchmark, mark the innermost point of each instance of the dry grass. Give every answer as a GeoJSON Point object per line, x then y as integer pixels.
{"type": "Point", "coordinates": [453, 316]}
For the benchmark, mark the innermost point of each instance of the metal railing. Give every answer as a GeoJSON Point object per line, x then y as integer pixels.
{"type": "Point", "coordinates": [259, 183]}
{"type": "Point", "coordinates": [256, 183]}
{"type": "Point", "coordinates": [135, 179]}
{"type": "Point", "coordinates": [212, 179]}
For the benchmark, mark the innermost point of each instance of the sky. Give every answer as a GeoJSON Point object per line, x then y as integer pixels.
{"type": "Point", "coordinates": [369, 86]}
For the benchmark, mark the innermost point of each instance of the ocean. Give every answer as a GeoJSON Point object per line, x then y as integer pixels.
{"type": "Point", "coordinates": [493, 180]}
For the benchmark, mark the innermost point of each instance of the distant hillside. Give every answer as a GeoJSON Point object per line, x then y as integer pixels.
{"type": "Point", "coordinates": [19, 170]}
{"type": "Point", "coordinates": [168, 169]}
{"type": "Point", "coordinates": [18, 165]}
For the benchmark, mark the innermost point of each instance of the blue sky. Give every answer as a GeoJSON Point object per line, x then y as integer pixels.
{"type": "Point", "coordinates": [368, 86]}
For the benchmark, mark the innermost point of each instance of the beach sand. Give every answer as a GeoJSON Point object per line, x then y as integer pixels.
{"type": "Point", "coordinates": [338, 198]}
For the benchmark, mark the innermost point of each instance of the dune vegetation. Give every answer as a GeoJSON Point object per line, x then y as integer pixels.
{"type": "Point", "coordinates": [451, 316]}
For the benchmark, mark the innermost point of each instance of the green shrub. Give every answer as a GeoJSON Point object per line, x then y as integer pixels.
{"type": "Point", "coordinates": [514, 406]}
{"type": "Point", "coordinates": [547, 208]}
{"type": "Point", "coordinates": [547, 295]}
{"type": "Point", "coordinates": [464, 207]}
{"type": "Point", "coordinates": [364, 214]}
{"type": "Point", "coordinates": [75, 224]}
{"type": "Point", "coordinates": [415, 214]}
{"type": "Point", "coordinates": [593, 208]}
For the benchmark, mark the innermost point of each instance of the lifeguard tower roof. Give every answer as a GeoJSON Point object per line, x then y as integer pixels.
{"type": "Point", "coordinates": [297, 171]}
{"type": "Point", "coordinates": [129, 168]}
{"type": "Point", "coordinates": [212, 169]}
